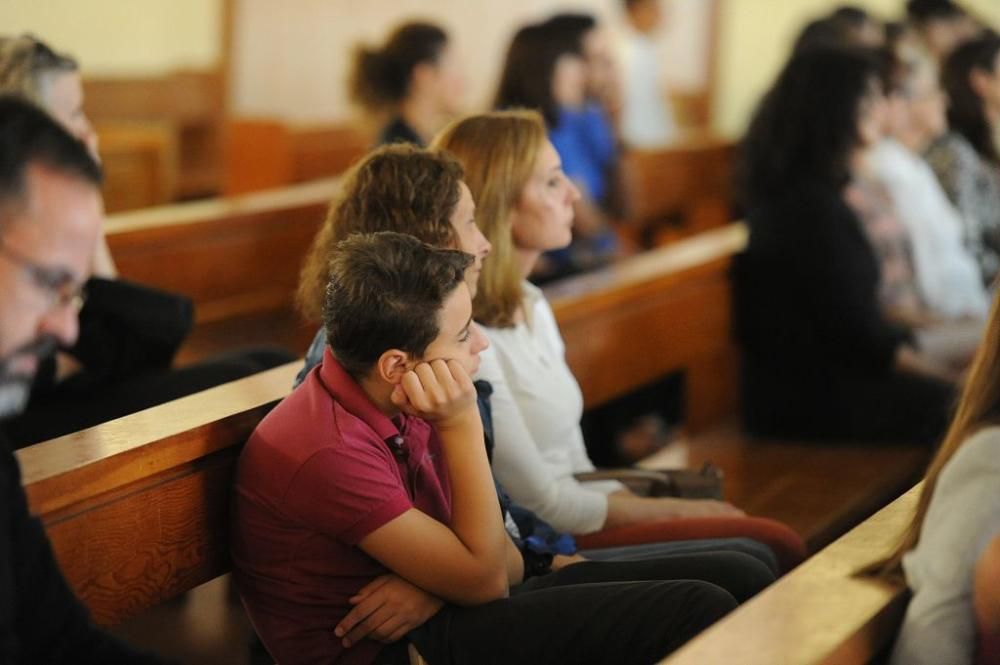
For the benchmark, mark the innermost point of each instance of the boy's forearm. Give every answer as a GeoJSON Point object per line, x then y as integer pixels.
{"type": "Point", "coordinates": [475, 517]}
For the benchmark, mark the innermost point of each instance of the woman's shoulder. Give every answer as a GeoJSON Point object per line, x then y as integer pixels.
{"type": "Point", "coordinates": [979, 454]}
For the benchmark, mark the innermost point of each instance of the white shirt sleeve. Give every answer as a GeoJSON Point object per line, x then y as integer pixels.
{"type": "Point", "coordinates": [529, 478]}
{"type": "Point", "coordinates": [963, 517]}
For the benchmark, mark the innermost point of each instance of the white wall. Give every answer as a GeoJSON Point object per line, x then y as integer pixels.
{"type": "Point", "coordinates": [756, 35]}
{"type": "Point", "coordinates": [291, 59]}
{"type": "Point", "coordinates": [123, 37]}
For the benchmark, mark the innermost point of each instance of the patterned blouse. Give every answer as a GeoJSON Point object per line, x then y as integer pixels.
{"type": "Point", "coordinates": [898, 289]}
{"type": "Point", "coordinates": [973, 185]}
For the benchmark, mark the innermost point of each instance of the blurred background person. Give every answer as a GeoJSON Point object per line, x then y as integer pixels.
{"type": "Point", "coordinates": [966, 159]}
{"type": "Point", "coordinates": [414, 80]}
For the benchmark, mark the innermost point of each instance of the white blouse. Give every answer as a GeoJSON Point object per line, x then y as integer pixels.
{"type": "Point", "coordinates": [947, 274]}
{"type": "Point", "coordinates": [537, 406]}
{"type": "Point", "coordinates": [963, 516]}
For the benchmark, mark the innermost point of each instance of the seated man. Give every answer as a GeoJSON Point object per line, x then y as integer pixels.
{"type": "Point", "coordinates": [366, 494]}
{"type": "Point", "coordinates": [50, 215]}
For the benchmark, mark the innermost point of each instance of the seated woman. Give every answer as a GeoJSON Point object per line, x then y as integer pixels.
{"type": "Point", "coordinates": [129, 333]}
{"type": "Point", "coordinates": [524, 205]}
{"type": "Point", "coordinates": [364, 513]}
{"type": "Point", "coordinates": [545, 70]}
{"type": "Point", "coordinates": [820, 358]}
{"type": "Point", "coordinates": [405, 189]}
{"type": "Point", "coordinates": [414, 78]}
{"type": "Point", "coordinates": [966, 159]}
{"type": "Point", "coordinates": [948, 544]}
{"type": "Point", "coordinates": [947, 276]}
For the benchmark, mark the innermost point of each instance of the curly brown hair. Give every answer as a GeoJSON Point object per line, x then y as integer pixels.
{"type": "Point", "coordinates": [398, 188]}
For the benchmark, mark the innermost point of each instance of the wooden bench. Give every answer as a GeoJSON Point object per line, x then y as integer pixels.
{"type": "Point", "coordinates": [136, 508]}
{"type": "Point", "coordinates": [264, 153]}
{"type": "Point", "coordinates": [189, 103]}
{"type": "Point", "coordinates": [821, 612]}
{"type": "Point", "coordinates": [680, 189]}
{"type": "Point", "coordinates": [233, 256]}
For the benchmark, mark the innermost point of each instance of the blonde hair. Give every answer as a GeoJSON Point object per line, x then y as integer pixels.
{"type": "Point", "coordinates": [979, 407]}
{"type": "Point", "coordinates": [498, 152]}
{"type": "Point", "coordinates": [25, 65]}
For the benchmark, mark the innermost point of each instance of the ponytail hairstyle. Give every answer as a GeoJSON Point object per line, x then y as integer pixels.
{"type": "Point", "coordinates": [966, 109]}
{"type": "Point", "coordinates": [381, 77]}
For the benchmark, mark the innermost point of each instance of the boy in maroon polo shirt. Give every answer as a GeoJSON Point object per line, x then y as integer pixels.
{"type": "Point", "coordinates": [365, 511]}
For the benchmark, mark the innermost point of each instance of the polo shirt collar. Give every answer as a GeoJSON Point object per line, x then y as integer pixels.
{"type": "Point", "coordinates": [346, 391]}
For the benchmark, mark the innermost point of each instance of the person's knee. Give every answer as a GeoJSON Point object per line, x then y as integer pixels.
{"type": "Point", "coordinates": [751, 576]}
{"type": "Point", "coordinates": [758, 551]}
{"type": "Point", "coordinates": [707, 603]}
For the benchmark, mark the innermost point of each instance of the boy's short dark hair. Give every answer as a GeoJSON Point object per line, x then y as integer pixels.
{"type": "Point", "coordinates": [29, 136]}
{"type": "Point", "coordinates": [385, 292]}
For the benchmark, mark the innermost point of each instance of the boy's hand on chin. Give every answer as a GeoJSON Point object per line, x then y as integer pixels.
{"type": "Point", "coordinates": [439, 391]}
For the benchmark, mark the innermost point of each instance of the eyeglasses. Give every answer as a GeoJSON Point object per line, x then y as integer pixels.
{"type": "Point", "coordinates": [59, 285]}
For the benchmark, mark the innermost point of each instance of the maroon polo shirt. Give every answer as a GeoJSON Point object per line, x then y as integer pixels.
{"type": "Point", "coordinates": [323, 470]}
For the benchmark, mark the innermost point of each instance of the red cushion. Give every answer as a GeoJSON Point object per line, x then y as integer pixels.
{"type": "Point", "coordinates": [788, 546]}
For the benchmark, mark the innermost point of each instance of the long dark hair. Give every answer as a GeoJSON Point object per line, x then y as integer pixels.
{"type": "Point", "coordinates": [966, 109]}
{"type": "Point", "coordinates": [806, 126]}
{"type": "Point", "coordinates": [381, 76]}
{"type": "Point", "coordinates": [526, 81]}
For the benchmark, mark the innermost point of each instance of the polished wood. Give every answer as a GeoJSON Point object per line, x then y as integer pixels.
{"type": "Point", "coordinates": [266, 153]}
{"type": "Point", "coordinates": [192, 103]}
{"type": "Point", "coordinates": [257, 156]}
{"type": "Point", "coordinates": [821, 612]}
{"type": "Point", "coordinates": [137, 508]}
{"type": "Point", "coordinates": [680, 189]}
{"type": "Point", "coordinates": [233, 256]}
{"type": "Point", "coordinates": [655, 313]}
{"type": "Point", "coordinates": [140, 164]}
{"type": "Point", "coordinates": [321, 151]}
{"type": "Point", "coordinates": [818, 489]}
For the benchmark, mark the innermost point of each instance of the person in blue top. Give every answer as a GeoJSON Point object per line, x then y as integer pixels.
{"type": "Point", "coordinates": [546, 69]}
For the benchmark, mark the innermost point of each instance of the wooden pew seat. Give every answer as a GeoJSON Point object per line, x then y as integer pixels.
{"type": "Point", "coordinates": [137, 508]}
{"type": "Point", "coordinates": [820, 613]}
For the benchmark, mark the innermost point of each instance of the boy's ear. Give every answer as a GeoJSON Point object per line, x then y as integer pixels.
{"type": "Point", "coordinates": [392, 365]}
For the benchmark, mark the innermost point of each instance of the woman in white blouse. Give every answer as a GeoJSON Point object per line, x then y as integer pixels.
{"type": "Point", "coordinates": [525, 207]}
{"type": "Point", "coordinates": [949, 555]}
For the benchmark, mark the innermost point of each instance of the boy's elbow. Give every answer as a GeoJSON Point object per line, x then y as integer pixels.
{"type": "Point", "coordinates": [486, 589]}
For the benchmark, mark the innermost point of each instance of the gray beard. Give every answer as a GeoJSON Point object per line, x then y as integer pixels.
{"type": "Point", "coordinates": [15, 388]}
{"type": "Point", "coordinates": [14, 393]}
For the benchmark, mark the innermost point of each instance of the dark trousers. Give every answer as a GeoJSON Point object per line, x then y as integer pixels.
{"type": "Point", "coordinates": [591, 613]}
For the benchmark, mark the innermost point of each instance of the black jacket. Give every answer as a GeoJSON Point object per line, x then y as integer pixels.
{"type": "Point", "coordinates": [41, 621]}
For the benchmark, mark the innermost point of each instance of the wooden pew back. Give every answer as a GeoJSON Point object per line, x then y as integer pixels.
{"type": "Point", "coordinates": [232, 256]}
{"type": "Point", "coordinates": [821, 612]}
{"type": "Point", "coordinates": [681, 189]}
{"type": "Point", "coordinates": [137, 509]}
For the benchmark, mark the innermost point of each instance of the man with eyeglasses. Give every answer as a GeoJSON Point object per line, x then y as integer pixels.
{"type": "Point", "coordinates": [50, 214]}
